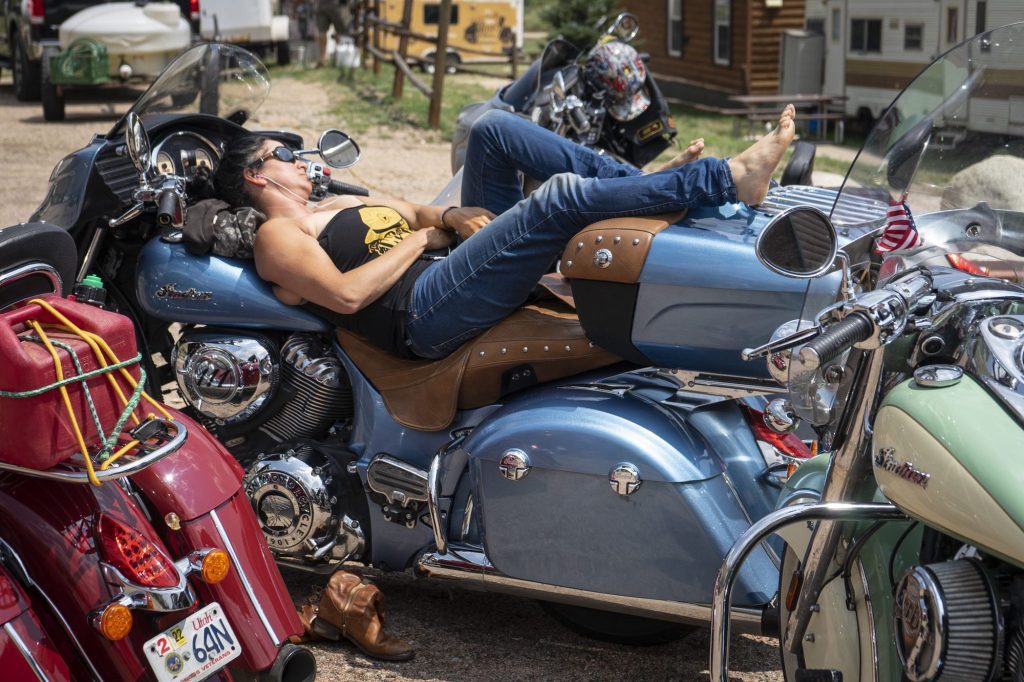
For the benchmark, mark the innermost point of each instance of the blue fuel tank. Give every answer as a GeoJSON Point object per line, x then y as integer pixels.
{"type": "Point", "coordinates": [176, 286]}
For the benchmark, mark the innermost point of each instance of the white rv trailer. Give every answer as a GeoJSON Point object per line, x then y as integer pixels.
{"type": "Point", "coordinates": [873, 48]}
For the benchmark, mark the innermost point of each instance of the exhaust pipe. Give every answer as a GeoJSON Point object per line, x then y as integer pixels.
{"type": "Point", "coordinates": [293, 664]}
{"type": "Point", "coordinates": [471, 568]}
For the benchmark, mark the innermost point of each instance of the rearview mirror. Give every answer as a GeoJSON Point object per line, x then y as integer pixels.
{"type": "Point", "coordinates": [800, 243]}
{"type": "Point", "coordinates": [338, 149]}
{"type": "Point", "coordinates": [137, 141]}
{"type": "Point", "coordinates": [625, 27]}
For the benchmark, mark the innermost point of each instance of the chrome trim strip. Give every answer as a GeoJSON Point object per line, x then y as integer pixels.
{"type": "Point", "coordinates": [29, 658]}
{"type": "Point", "coordinates": [26, 577]}
{"type": "Point", "coordinates": [115, 472]}
{"type": "Point", "coordinates": [433, 493]}
{"type": "Point", "coordinates": [467, 517]}
{"type": "Point", "coordinates": [472, 568]}
{"type": "Point", "coordinates": [244, 578]}
{"type": "Point", "coordinates": [159, 599]}
{"type": "Point", "coordinates": [870, 609]}
{"type": "Point", "coordinates": [24, 271]}
{"type": "Point", "coordinates": [838, 511]}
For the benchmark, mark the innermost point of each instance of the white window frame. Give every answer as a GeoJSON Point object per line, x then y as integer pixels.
{"type": "Point", "coordinates": [674, 12]}
{"type": "Point", "coordinates": [724, 22]}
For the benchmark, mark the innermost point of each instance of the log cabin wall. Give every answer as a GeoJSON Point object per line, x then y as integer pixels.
{"type": "Point", "coordinates": [754, 51]}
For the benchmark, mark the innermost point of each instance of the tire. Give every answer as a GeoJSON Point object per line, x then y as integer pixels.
{"type": "Point", "coordinates": [53, 100]}
{"type": "Point", "coordinates": [284, 54]}
{"type": "Point", "coordinates": [26, 73]}
{"type": "Point", "coordinates": [452, 62]}
{"type": "Point", "coordinates": [616, 627]}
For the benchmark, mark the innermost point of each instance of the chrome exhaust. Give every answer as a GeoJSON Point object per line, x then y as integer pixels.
{"type": "Point", "coordinates": [293, 664]}
{"type": "Point", "coordinates": [471, 568]}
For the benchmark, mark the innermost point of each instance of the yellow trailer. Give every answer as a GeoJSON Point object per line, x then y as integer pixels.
{"type": "Point", "coordinates": [489, 26]}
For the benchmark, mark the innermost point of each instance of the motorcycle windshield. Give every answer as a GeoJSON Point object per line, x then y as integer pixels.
{"type": "Point", "coordinates": [210, 78]}
{"type": "Point", "coordinates": [950, 146]}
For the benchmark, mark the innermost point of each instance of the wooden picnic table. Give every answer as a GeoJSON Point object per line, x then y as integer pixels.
{"type": "Point", "coordinates": [765, 107]}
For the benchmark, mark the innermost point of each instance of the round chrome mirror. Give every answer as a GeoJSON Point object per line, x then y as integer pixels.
{"type": "Point", "coordinates": [137, 141]}
{"type": "Point", "coordinates": [625, 27]}
{"type": "Point", "coordinates": [800, 242]}
{"type": "Point", "coordinates": [338, 149]}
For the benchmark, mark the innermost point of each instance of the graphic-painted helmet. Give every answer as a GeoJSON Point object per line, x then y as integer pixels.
{"type": "Point", "coordinates": [616, 68]}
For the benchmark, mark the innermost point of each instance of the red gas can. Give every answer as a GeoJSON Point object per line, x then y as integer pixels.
{"type": "Point", "coordinates": [36, 431]}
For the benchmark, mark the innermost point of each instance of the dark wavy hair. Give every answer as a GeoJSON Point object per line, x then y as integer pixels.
{"type": "Point", "coordinates": [241, 153]}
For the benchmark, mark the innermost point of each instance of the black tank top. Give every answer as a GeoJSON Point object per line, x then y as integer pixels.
{"type": "Point", "coordinates": [356, 236]}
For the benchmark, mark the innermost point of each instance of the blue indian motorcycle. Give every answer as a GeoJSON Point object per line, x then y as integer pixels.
{"type": "Point", "coordinates": [600, 472]}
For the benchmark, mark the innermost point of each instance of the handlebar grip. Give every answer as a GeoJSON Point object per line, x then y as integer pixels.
{"type": "Point", "coordinates": [339, 187]}
{"type": "Point", "coordinates": [836, 339]}
{"type": "Point", "coordinates": [165, 208]}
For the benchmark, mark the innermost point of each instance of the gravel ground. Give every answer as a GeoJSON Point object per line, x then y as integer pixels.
{"type": "Point", "coordinates": [458, 635]}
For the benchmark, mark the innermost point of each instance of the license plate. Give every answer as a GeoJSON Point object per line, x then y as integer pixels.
{"type": "Point", "coordinates": [195, 648]}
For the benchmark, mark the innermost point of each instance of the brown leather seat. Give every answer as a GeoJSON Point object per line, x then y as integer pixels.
{"type": "Point", "coordinates": [535, 344]}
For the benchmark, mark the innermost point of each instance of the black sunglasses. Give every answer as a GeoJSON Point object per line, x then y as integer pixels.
{"type": "Point", "coordinates": [279, 153]}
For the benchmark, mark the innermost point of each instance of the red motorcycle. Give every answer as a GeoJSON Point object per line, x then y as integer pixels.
{"type": "Point", "coordinates": [128, 549]}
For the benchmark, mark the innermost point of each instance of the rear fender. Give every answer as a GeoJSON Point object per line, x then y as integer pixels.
{"type": "Point", "coordinates": [200, 477]}
{"type": "Point", "coordinates": [253, 595]}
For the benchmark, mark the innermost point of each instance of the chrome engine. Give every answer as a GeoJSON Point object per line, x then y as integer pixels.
{"type": "Point", "coordinates": [298, 497]}
{"type": "Point", "coordinates": [232, 379]}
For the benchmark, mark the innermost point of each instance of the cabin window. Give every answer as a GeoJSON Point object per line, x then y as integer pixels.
{"type": "Point", "coordinates": [722, 36]}
{"type": "Point", "coordinates": [913, 37]}
{"type": "Point", "coordinates": [865, 35]}
{"type": "Point", "coordinates": [837, 25]}
{"type": "Point", "coordinates": [952, 24]}
{"type": "Point", "coordinates": [675, 28]}
{"type": "Point", "coordinates": [432, 15]}
{"type": "Point", "coordinates": [815, 26]}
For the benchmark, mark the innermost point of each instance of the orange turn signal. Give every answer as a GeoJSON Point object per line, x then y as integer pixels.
{"type": "Point", "coordinates": [115, 622]}
{"type": "Point", "coordinates": [216, 565]}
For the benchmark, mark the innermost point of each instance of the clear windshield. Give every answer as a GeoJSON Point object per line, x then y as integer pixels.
{"type": "Point", "coordinates": [954, 137]}
{"type": "Point", "coordinates": [210, 78]}
{"type": "Point", "coordinates": [951, 146]}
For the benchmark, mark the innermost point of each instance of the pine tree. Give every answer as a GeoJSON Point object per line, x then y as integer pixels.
{"type": "Point", "coordinates": [578, 21]}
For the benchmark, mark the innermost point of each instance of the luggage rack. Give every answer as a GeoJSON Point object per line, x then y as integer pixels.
{"type": "Point", "coordinates": [846, 210]}
{"type": "Point", "coordinates": [154, 428]}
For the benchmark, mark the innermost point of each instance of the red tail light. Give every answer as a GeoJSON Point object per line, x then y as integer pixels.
{"type": "Point", "coordinates": [193, 9]}
{"type": "Point", "coordinates": [138, 559]}
{"type": "Point", "coordinates": [964, 264]}
{"type": "Point", "coordinates": [786, 443]}
{"type": "Point", "coordinates": [36, 11]}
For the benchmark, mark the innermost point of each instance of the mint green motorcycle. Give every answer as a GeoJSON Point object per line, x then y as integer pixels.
{"type": "Point", "coordinates": [904, 539]}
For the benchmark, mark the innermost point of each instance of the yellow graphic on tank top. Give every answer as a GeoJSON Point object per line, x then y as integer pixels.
{"type": "Point", "coordinates": [385, 228]}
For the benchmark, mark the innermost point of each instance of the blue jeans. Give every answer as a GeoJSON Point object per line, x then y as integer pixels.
{"type": "Point", "coordinates": [493, 272]}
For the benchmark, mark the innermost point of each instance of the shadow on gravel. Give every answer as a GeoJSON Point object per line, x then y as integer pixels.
{"type": "Point", "coordinates": [467, 635]}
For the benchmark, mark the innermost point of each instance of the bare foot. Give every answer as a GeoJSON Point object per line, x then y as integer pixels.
{"type": "Point", "coordinates": [691, 153]}
{"type": "Point", "coordinates": [753, 168]}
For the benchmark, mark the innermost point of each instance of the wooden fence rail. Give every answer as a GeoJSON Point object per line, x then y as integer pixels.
{"type": "Point", "coordinates": [374, 31]}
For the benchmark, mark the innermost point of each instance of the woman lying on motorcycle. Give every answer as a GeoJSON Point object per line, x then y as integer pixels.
{"type": "Point", "coordinates": [370, 268]}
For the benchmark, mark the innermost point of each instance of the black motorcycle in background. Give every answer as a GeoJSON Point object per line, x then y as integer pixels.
{"type": "Point", "coordinates": [603, 98]}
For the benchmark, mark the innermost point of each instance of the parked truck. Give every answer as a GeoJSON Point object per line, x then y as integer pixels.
{"type": "Point", "coordinates": [31, 26]}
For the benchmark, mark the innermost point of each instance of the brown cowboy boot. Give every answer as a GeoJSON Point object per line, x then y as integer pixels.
{"type": "Point", "coordinates": [353, 609]}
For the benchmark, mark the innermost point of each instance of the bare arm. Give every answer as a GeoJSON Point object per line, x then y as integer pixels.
{"type": "Point", "coordinates": [293, 260]}
{"type": "Point", "coordinates": [463, 221]}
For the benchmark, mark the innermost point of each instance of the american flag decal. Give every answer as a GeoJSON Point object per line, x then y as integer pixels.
{"type": "Point", "coordinates": [900, 231]}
